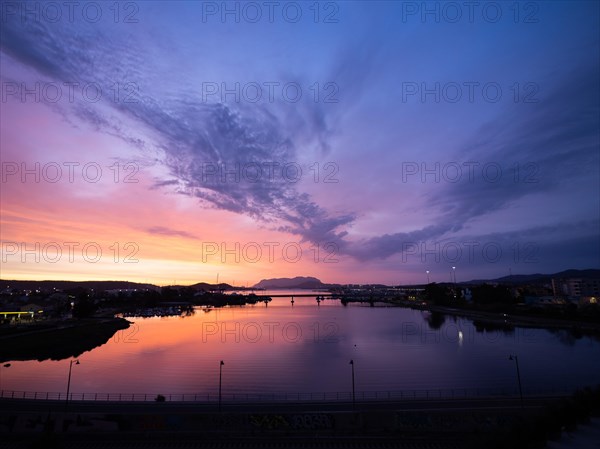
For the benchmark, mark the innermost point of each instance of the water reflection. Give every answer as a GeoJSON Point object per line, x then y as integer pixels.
{"type": "Point", "coordinates": [567, 336]}
{"type": "Point", "coordinates": [489, 326]}
{"type": "Point", "coordinates": [435, 320]}
{"type": "Point", "coordinates": [571, 336]}
{"type": "Point", "coordinates": [182, 310]}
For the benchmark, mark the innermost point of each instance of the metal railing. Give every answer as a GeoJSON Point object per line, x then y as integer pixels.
{"type": "Point", "coordinates": [341, 396]}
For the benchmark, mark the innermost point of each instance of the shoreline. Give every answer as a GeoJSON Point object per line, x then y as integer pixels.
{"type": "Point", "coordinates": [513, 320]}
{"type": "Point", "coordinates": [60, 342]}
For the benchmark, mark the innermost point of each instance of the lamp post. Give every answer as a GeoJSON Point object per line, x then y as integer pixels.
{"type": "Point", "coordinates": [69, 381]}
{"type": "Point", "coordinates": [353, 391]}
{"type": "Point", "coordinates": [427, 276]}
{"type": "Point", "coordinates": [516, 359]}
{"type": "Point", "coordinates": [6, 365]}
{"type": "Point", "coordinates": [220, 381]}
{"type": "Point", "coordinates": [454, 274]}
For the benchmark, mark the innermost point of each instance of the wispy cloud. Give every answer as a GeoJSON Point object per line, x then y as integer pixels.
{"type": "Point", "coordinates": [554, 143]}
{"type": "Point", "coordinates": [194, 136]}
{"type": "Point", "coordinates": [161, 230]}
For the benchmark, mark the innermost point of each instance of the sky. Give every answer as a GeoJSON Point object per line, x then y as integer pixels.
{"type": "Point", "coordinates": [357, 142]}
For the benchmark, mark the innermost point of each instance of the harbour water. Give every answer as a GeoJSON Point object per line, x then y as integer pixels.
{"type": "Point", "coordinates": [306, 347]}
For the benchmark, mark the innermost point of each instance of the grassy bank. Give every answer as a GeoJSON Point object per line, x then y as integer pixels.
{"type": "Point", "coordinates": [72, 339]}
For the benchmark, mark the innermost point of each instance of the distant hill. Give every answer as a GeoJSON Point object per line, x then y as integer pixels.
{"type": "Point", "coordinates": [68, 285]}
{"type": "Point", "coordinates": [540, 278]}
{"type": "Point", "coordinates": [210, 287]}
{"type": "Point", "coordinates": [297, 282]}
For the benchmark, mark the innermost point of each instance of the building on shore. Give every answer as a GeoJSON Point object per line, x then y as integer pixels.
{"type": "Point", "coordinates": [576, 288]}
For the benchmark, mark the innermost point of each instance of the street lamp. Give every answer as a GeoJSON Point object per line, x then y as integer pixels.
{"type": "Point", "coordinates": [220, 381]}
{"type": "Point", "coordinates": [454, 273]}
{"type": "Point", "coordinates": [516, 359]}
{"type": "Point", "coordinates": [69, 381]}
{"type": "Point", "coordinates": [353, 391]}
{"type": "Point", "coordinates": [427, 276]}
{"type": "Point", "coordinates": [6, 365]}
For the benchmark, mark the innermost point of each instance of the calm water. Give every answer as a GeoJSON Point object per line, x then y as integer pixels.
{"type": "Point", "coordinates": [307, 348]}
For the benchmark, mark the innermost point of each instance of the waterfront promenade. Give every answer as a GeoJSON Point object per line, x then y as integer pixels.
{"type": "Point", "coordinates": [409, 423]}
{"type": "Point", "coordinates": [98, 424]}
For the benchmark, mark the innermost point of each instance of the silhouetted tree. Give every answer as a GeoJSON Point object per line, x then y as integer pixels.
{"type": "Point", "coordinates": [168, 293]}
{"type": "Point", "coordinates": [83, 307]}
{"type": "Point", "coordinates": [489, 294]}
{"type": "Point", "coordinates": [435, 320]}
{"type": "Point", "coordinates": [438, 294]}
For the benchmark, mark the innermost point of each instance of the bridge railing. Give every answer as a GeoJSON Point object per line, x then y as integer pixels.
{"type": "Point", "coordinates": [340, 396]}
